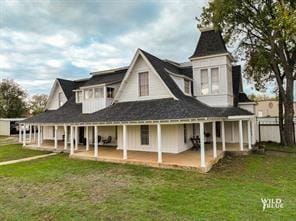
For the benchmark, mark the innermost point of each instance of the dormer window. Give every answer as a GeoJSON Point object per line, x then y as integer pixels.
{"type": "Point", "coordinates": [143, 84]}
{"type": "Point", "coordinates": [186, 86]}
{"type": "Point", "coordinates": [88, 94]}
{"type": "Point", "coordinates": [60, 99]}
{"type": "Point", "coordinates": [99, 92]}
{"type": "Point", "coordinates": [110, 92]}
{"type": "Point", "coordinates": [78, 96]}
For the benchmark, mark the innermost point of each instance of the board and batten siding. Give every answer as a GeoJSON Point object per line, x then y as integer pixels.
{"type": "Point", "coordinates": [53, 103]}
{"type": "Point", "coordinates": [130, 91]}
{"type": "Point", "coordinates": [170, 134]}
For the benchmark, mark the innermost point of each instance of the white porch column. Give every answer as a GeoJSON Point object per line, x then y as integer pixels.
{"type": "Point", "coordinates": [39, 136]}
{"type": "Point", "coordinates": [87, 138]}
{"type": "Point", "coordinates": [55, 137]}
{"type": "Point", "coordinates": [202, 145]}
{"type": "Point", "coordinates": [249, 135]}
{"type": "Point", "coordinates": [253, 130]}
{"type": "Point", "coordinates": [34, 135]}
{"type": "Point", "coordinates": [30, 133]}
{"type": "Point", "coordinates": [223, 135]}
{"type": "Point", "coordinates": [241, 138]}
{"type": "Point", "coordinates": [72, 140]}
{"type": "Point", "coordinates": [214, 139]}
{"type": "Point", "coordinates": [20, 133]}
{"type": "Point", "coordinates": [76, 138]}
{"type": "Point", "coordinates": [124, 142]}
{"type": "Point", "coordinates": [96, 142]}
{"type": "Point", "coordinates": [24, 135]}
{"type": "Point", "coordinates": [159, 156]}
{"type": "Point", "coordinates": [65, 137]}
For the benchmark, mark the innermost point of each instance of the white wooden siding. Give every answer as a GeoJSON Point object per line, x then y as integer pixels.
{"type": "Point", "coordinates": [53, 103]}
{"type": "Point", "coordinates": [130, 91]}
{"type": "Point", "coordinates": [225, 95]}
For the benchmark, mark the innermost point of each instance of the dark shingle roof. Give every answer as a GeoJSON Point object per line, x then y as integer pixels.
{"type": "Point", "coordinates": [160, 109]}
{"type": "Point", "coordinates": [117, 76]}
{"type": "Point", "coordinates": [238, 94]}
{"type": "Point", "coordinates": [210, 43]}
{"type": "Point", "coordinates": [67, 87]}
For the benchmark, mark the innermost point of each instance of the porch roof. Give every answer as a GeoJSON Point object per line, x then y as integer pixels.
{"type": "Point", "coordinates": [160, 109]}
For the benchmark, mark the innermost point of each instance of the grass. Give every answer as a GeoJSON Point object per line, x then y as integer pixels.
{"type": "Point", "coordinates": [15, 151]}
{"type": "Point", "coordinates": [59, 188]}
{"type": "Point", "coordinates": [278, 147]}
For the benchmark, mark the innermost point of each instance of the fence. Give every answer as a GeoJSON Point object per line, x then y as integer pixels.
{"type": "Point", "coordinates": [268, 129]}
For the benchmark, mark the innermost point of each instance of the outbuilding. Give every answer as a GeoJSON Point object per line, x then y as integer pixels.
{"type": "Point", "coordinates": [9, 126]}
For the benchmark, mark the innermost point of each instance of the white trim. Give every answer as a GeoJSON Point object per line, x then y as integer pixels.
{"type": "Point", "coordinates": [240, 117]}
{"type": "Point", "coordinates": [124, 136]}
{"type": "Point", "coordinates": [212, 56]}
{"type": "Point", "coordinates": [241, 138]}
{"type": "Point", "coordinates": [202, 145]}
{"type": "Point", "coordinates": [159, 144]}
{"type": "Point", "coordinates": [247, 103]}
{"type": "Point", "coordinates": [108, 71]}
{"type": "Point", "coordinates": [178, 75]}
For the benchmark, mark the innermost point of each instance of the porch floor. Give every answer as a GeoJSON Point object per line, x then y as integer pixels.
{"type": "Point", "coordinates": [189, 159]}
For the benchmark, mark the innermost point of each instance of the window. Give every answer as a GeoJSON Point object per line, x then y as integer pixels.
{"type": "Point", "coordinates": [110, 92]}
{"type": "Point", "coordinates": [143, 84]}
{"type": "Point", "coordinates": [60, 99]}
{"type": "Point", "coordinates": [144, 134]}
{"type": "Point", "coordinates": [185, 133]}
{"type": "Point", "coordinates": [214, 80]}
{"type": "Point", "coordinates": [99, 93]}
{"type": "Point", "coordinates": [88, 94]}
{"type": "Point", "coordinates": [79, 96]}
{"type": "Point", "coordinates": [204, 82]}
{"type": "Point", "coordinates": [187, 86]}
{"type": "Point", "coordinates": [218, 129]}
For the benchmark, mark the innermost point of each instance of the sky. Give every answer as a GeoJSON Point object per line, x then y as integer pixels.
{"type": "Point", "coordinates": [43, 40]}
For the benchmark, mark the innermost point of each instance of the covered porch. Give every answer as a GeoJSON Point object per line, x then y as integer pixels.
{"type": "Point", "coordinates": [161, 138]}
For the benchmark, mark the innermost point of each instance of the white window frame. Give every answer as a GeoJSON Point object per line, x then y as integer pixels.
{"type": "Point", "coordinates": [209, 70]}
{"type": "Point", "coordinates": [189, 86]}
{"type": "Point", "coordinates": [142, 134]}
{"type": "Point", "coordinates": [139, 86]}
{"type": "Point", "coordinates": [60, 94]}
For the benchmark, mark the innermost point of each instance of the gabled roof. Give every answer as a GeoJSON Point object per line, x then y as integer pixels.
{"type": "Point", "coordinates": [67, 86]}
{"type": "Point", "coordinates": [163, 68]}
{"type": "Point", "coordinates": [210, 43]}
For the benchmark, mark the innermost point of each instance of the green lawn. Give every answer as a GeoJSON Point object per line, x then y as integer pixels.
{"type": "Point", "coordinates": [59, 188]}
{"type": "Point", "coordinates": [15, 151]}
{"type": "Point", "coordinates": [278, 147]}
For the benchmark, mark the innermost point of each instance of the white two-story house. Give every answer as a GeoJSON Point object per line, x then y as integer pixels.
{"type": "Point", "coordinates": [156, 112]}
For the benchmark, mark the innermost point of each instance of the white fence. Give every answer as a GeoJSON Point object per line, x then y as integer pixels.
{"type": "Point", "coordinates": [268, 129]}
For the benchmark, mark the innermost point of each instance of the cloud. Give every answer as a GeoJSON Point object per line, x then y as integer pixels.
{"type": "Point", "coordinates": [43, 40]}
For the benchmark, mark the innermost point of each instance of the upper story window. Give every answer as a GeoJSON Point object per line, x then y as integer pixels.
{"type": "Point", "coordinates": [187, 86]}
{"type": "Point", "coordinates": [204, 82]}
{"type": "Point", "coordinates": [60, 99]}
{"type": "Point", "coordinates": [210, 81]}
{"type": "Point", "coordinates": [144, 134]}
{"type": "Point", "coordinates": [214, 80]}
{"type": "Point", "coordinates": [143, 84]}
{"type": "Point", "coordinates": [99, 92]}
{"type": "Point", "coordinates": [78, 96]}
{"type": "Point", "coordinates": [110, 92]}
{"type": "Point", "coordinates": [88, 94]}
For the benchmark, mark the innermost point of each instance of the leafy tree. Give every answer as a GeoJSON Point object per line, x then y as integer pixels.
{"type": "Point", "coordinates": [264, 31]}
{"type": "Point", "coordinates": [37, 103]}
{"type": "Point", "coordinates": [12, 99]}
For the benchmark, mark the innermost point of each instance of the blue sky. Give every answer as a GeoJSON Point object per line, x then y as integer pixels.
{"type": "Point", "coordinates": [43, 40]}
